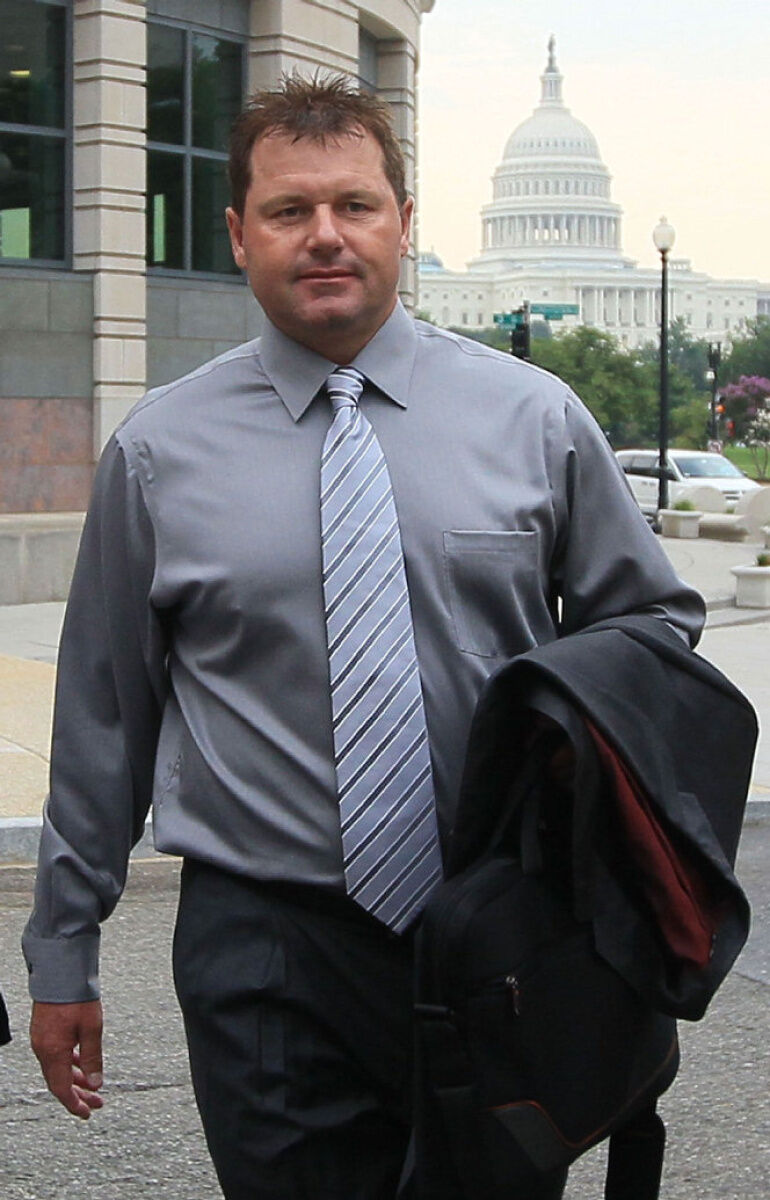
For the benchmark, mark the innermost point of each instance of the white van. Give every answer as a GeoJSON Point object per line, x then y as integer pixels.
{"type": "Point", "coordinates": [687, 470]}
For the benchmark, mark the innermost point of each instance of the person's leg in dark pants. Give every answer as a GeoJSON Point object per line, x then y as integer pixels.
{"type": "Point", "coordinates": [635, 1163]}
{"type": "Point", "coordinates": [297, 1008]}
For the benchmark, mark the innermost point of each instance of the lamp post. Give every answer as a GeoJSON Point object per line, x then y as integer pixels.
{"type": "Point", "coordinates": [663, 236]}
{"type": "Point", "coordinates": [714, 361]}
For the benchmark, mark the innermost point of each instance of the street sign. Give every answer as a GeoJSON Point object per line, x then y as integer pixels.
{"type": "Point", "coordinates": [555, 312]}
{"type": "Point", "coordinates": [509, 320]}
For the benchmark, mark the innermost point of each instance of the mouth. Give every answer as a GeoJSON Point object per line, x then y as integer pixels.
{"type": "Point", "coordinates": [327, 275]}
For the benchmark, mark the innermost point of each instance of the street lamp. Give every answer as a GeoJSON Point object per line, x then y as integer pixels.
{"type": "Point", "coordinates": [714, 361]}
{"type": "Point", "coordinates": [663, 236]}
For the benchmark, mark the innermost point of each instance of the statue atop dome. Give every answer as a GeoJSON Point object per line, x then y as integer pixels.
{"type": "Point", "coordinates": [551, 79]}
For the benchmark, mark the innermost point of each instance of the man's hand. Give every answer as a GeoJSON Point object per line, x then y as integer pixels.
{"type": "Point", "coordinates": [67, 1040]}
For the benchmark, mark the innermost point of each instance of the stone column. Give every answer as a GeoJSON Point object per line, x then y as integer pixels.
{"type": "Point", "coordinates": [109, 196]}
{"type": "Point", "coordinates": [396, 84]}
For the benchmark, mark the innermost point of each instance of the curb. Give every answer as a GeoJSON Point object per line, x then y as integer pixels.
{"type": "Point", "coordinates": [722, 611]}
{"type": "Point", "coordinates": [20, 837]}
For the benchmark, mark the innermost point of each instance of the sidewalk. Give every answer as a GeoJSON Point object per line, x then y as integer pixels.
{"type": "Point", "coordinates": [736, 640]}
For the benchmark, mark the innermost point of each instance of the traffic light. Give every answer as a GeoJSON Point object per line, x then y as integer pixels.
{"type": "Point", "coordinates": [520, 337]}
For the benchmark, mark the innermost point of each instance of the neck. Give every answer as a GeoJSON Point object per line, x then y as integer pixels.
{"type": "Point", "coordinates": [336, 343]}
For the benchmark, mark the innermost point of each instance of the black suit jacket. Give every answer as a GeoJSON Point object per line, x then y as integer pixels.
{"type": "Point", "coordinates": [684, 734]}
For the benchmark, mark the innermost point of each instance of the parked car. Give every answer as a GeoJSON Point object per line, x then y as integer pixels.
{"type": "Point", "coordinates": [687, 470]}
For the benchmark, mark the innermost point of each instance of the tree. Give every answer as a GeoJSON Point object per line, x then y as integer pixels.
{"type": "Point", "coordinates": [688, 355]}
{"type": "Point", "coordinates": [743, 402]}
{"type": "Point", "coordinates": [758, 441]}
{"type": "Point", "coordinates": [750, 352]}
{"type": "Point", "coordinates": [619, 391]}
{"type": "Point", "coordinates": [621, 387]}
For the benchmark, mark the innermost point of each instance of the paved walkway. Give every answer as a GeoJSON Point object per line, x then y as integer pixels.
{"type": "Point", "coordinates": [736, 640]}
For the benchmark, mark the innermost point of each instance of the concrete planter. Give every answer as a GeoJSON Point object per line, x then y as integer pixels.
{"type": "Point", "coordinates": [679, 523]}
{"type": "Point", "coordinates": [752, 587]}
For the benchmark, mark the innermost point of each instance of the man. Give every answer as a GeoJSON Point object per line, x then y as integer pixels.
{"type": "Point", "coordinates": [212, 661]}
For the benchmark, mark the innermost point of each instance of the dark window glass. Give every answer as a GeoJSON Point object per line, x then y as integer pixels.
{"type": "Point", "coordinates": [32, 42]}
{"type": "Point", "coordinates": [195, 87]}
{"type": "Point", "coordinates": [210, 197]}
{"type": "Point", "coordinates": [165, 84]}
{"type": "Point", "coordinates": [165, 208]}
{"type": "Point", "coordinates": [31, 196]}
{"type": "Point", "coordinates": [216, 90]}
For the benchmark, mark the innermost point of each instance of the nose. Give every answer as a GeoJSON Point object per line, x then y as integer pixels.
{"type": "Point", "coordinates": [324, 233]}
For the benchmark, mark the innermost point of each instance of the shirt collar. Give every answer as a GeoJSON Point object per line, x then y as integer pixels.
{"type": "Point", "coordinates": [298, 373]}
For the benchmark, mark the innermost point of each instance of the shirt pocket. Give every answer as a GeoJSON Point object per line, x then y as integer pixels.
{"type": "Point", "coordinates": [494, 588]}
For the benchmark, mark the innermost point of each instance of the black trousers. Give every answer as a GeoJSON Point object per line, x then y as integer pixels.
{"type": "Point", "coordinates": [297, 1009]}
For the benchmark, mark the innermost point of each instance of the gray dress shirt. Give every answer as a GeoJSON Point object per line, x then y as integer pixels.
{"type": "Point", "coordinates": [193, 672]}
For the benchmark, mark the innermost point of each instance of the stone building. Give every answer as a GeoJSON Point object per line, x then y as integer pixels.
{"type": "Point", "coordinates": [115, 269]}
{"type": "Point", "coordinates": [552, 234]}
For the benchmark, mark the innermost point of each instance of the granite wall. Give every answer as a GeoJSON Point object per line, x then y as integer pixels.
{"type": "Point", "coordinates": [46, 385]}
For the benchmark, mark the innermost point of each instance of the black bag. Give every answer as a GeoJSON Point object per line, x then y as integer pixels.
{"type": "Point", "coordinates": [530, 1047]}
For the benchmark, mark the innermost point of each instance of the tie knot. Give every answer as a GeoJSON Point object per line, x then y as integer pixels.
{"type": "Point", "coordinates": [344, 386]}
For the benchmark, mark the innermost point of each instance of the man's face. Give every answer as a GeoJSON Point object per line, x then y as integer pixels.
{"type": "Point", "coordinates": [321, 240]}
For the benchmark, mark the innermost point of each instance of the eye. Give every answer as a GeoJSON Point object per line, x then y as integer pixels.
{"type": "Point", "coordinates": [357, 206]}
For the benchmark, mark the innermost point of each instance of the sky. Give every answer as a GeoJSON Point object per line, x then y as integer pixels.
{"type": "Point", "coordinates": [676, 93]}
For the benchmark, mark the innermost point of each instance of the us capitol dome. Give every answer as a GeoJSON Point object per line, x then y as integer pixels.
{"type": "Point", "coordinates": [551, 192]}
{"type": "Point", "coordinates": [551, 235]}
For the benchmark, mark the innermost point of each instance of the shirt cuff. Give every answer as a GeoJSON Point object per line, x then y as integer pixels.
{"type": "Point", "coordinates": [62, 970]}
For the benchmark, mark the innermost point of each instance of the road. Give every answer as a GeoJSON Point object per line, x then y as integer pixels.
{"type": "Point", "coordinates": [147, 1140]}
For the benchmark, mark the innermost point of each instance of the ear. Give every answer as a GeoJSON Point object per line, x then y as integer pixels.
{"type": "Point", "coordinates": [235, 229]}
{"type": "Point", "coordinates": [407, 211]}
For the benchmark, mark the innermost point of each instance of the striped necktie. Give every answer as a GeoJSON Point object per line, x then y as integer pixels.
{"type": "Point", "coordinates": [387, 809]}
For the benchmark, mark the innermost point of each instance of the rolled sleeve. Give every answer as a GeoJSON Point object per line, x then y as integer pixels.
{"type": "Point", "coordinates": [111, 683]}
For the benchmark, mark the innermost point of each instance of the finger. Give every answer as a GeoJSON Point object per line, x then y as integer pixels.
{"type": "Point", "coordinates": [89, 1054]}
{"type": "Point", "coordinates": [60, 1082]}
{"type": "Point", "coordinates": [85, 1096]}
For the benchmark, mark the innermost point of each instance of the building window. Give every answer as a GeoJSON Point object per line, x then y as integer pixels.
{"type": "Point", "coordinates": [34, 141]}
{"type": "Point", "coordinates": [480, 319]}
{"type": "Point", "coordinates": [194, 91]}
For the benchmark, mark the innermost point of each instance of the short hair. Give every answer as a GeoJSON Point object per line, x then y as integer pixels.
{"type": "Point", "coordinates": [318, 108]}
